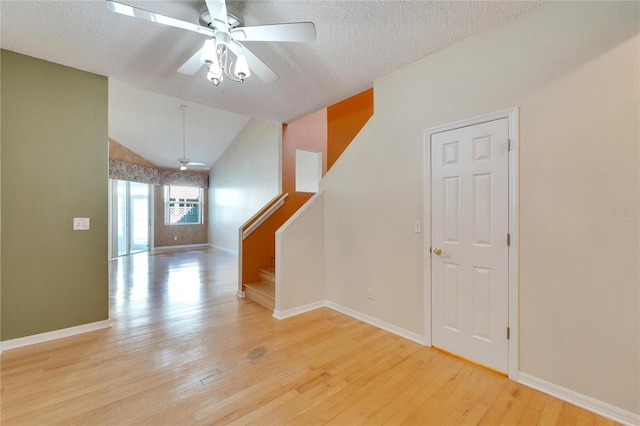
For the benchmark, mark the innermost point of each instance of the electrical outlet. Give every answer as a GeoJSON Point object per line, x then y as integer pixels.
{"type": "Point", "coordinates": [175, 238]}
{"type": "Point", "coordinates": [370, 293]}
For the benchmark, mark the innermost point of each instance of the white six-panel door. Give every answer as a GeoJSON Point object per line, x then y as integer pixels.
{"type": "Point", "coordinates": [470, 256]}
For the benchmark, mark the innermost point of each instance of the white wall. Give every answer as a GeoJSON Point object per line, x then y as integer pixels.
{"type": "Point", "coordinates": [572, 68]}
{"type": "Point", "coordinates": [300, 257]}
{"type": "Point", "coordinates": [243, 180]}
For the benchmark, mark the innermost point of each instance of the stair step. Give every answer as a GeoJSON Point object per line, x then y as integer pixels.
{"type": "Point", "coordinates": [267, 274]}
{"type": "Point", "coordinates": [262, 292]}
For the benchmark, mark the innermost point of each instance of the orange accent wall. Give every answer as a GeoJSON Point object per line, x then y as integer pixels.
{"type": "Point", "coordinates": [328, 131]}
{"type": "Point", "coordinates": [344, 120]}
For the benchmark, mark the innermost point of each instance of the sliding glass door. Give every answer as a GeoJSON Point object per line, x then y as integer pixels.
{"type": "Point", "coordinates": [131, 217]}
{"type": "Point", "coordinates": [138, 217]}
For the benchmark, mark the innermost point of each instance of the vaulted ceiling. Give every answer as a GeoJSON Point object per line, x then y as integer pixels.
{"type": "Point", "coordinates": [357, 42]}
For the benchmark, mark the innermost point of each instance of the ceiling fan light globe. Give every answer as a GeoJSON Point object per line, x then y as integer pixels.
{"type": "Point", "coordinates": [241, 69]}
{"type": "Point", "coordinates": [208, 55]}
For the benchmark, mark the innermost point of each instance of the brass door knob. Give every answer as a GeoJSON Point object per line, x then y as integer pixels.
{"type": "Point", "coordinates": [437, 251]}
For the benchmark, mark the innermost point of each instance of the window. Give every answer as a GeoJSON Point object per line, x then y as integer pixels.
{"type": "Point", "coordinates": [183, 205]}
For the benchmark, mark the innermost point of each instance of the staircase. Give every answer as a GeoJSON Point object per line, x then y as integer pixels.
{"type": "Point", "coordinates": [330, 130]}
{"type": "Point", "coordinates": [263, 292]}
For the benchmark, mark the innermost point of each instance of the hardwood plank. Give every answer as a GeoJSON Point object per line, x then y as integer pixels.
{"type": "Point", "coordinates": [585, 418]}
{"type": "Point", "coordinates": [417, 399]}
{"type": "Point", "coordinates": [551, 412]}
{"type": "Point", "coordinates": [369, 392]}
{"type": "Point", "coordinates": [481, 408]}
{"type": "Point", "coordinates": [435, 409]}
{"type": "Point", "coordinates": [501, 404]}
{"type": "Point", "coordinates": [458, 413]}
{"type": "Point", "coordinates": [568, 414]}
{"type": "Point", "coordinates": [522, 396]}
{"type": "Point", "coordinates": [259, 410]}
{"type": "Point", "coordinates": [533, 411]}
{"type": "Point", "coordinates": [601, 421]}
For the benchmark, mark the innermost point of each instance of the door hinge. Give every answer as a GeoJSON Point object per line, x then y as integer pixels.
{"type": "Point", "coordinates": [508, 239]}
{"type": "Point", "coordinates": [508, 333]}
{"type": "Point", "coordinates": [508, 144]}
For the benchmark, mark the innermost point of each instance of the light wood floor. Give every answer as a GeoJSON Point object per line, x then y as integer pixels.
{"type": "Point", "coordinates": [184, 350]}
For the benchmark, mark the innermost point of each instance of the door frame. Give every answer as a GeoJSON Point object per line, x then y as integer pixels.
{"type": "Point", "coordinates": [512, 115]}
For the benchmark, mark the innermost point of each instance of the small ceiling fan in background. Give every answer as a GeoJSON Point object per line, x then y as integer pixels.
{"type": "Point", "coordinates": [225, 31]}
{"type": "Point", "coordinates": [184, 162]}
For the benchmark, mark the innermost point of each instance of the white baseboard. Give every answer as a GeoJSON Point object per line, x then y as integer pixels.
{"type": "Point", "coordinates": [299, 310]}
{"type": "Point", "coordinates": [224, 249]}
{"type": "Point", "coordinates": [377, 323]}
{"type": "Point", "coordinates": [240, 294]}
{"type": "Point", "coordinates": [53, 335]}
{"type": "Point", "coordinates": [354, 314]}
{"type": "Point", "coordinates": [183, 246]}
{"type": "Point", "coordinates": [583, 401]}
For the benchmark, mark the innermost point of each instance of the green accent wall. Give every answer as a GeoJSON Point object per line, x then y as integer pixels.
{"type": "Point", "coordinates": [53, 165]}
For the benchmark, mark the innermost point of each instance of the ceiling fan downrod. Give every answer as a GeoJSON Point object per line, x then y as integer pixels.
{"type": "Point", "coordinates": [184, 160]}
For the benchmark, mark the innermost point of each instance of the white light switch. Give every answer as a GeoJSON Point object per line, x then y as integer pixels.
{"type": "Point", "coordinates": [417, 226]}
{"type": "Point", "coordinates": [80, 223]}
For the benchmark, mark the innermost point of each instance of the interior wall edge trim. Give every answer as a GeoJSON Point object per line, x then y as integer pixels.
{"type": "Point", "coordinates": [399, 331]}
{"type": "Point", "coordinates": [53, 335]}
{"type": "Point", "coordinates": [591, 404]}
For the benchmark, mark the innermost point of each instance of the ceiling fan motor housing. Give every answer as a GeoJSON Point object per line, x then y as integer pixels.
{"type": "Point", "coordinates": [233, 17]}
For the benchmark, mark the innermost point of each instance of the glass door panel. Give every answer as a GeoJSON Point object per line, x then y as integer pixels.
{"type": "Point", "coordinates": [122, 209]}
{"type": "Point", "coordinates": [132, 217]}
{"type": "Point", "coordinates": [139, 202]}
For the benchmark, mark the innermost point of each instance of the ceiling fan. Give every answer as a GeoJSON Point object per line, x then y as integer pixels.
{"type": "Point", "coordinates": [225, 32]}
{"type": "Point", "coordinates": [184, 162]}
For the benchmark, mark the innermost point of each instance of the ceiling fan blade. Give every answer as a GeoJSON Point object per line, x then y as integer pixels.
{"type": "Point", "coordinates": [192, 65]}
{"type": "Point", "coordinates": [135, 12]}
{"type": "Point", "coordinates": [259, 68]}
{"type": "Point", "coordinates": [295, 31]}
{"type": "Point", "coordinates": [218, 13]}
{"type": "Point", "coordinates": [191, 163]}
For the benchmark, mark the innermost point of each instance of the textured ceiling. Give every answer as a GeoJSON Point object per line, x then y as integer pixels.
{"type": "Point", "coordinates": [357, 42]}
